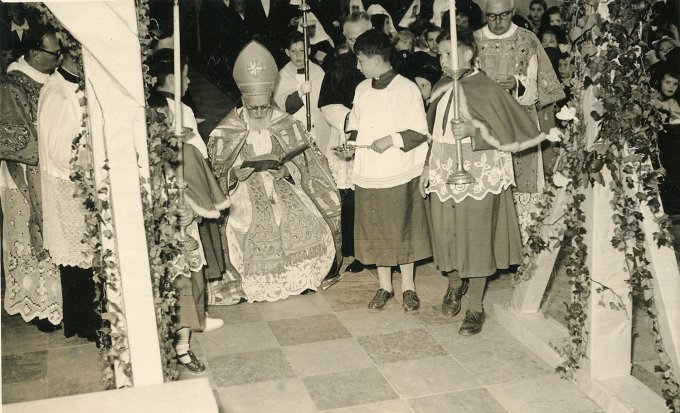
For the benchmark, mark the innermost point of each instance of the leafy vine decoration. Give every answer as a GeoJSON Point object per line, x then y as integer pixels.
{"type": "Point", "coordinates": [160, 218]}
{"type": "Point", "coordinates": [630, 126]}
{"type": "Point", "coordinates": [98, 222]}
{"type": "Point", "coordinates": [609, 57]}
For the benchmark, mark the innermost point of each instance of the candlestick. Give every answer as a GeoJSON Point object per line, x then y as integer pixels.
{"type": "Point", "coordinates": [177, 68]}
{"type": "Point", "coordinates": [454, 35]}
{"type": "Point", "coordinates": [460, 176]}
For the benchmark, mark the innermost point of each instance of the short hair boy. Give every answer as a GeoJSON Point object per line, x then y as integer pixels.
{"type": "Point", "coordinates": [390, 226]}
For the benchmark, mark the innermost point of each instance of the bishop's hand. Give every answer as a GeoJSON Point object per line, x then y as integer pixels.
{"type": "Point", "coordinates": [243, 173]}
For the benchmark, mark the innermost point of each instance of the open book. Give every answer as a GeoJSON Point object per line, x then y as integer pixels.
{"type": "Point", "coordinates": [267, 161]}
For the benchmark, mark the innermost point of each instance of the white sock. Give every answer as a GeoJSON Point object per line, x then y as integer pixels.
{"type": "Point", "coordinates": [385, 278]}
{"type": "Point", "coordinates": [182, 344]}
{"type": "Point", "coordinates": [407, 282]}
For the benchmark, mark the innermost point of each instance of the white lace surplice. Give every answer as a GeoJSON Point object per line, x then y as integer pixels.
{"type": "Point", "coordinates": [33, 288]}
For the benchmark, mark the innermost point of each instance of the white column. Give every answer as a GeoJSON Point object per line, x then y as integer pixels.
{"type": "Point", "coordinates": [115, 91]}
{"type": "Point", "coordinates": [609, 329]}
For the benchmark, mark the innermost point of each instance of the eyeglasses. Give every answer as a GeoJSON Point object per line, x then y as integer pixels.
{"type": "Point", "coordinates": [56, 54]}
{"type": "Point", "coordinates": [492, 17]}
{"type": "Point", "coordinates": [256, 108]}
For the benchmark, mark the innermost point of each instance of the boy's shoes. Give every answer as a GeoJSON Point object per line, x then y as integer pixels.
{"type": "Point", "coordinates": [355, 266]}
{"type": "Point", "coordinates": [212, 324]}
{"type": "Point", "coordinates": [453, 298]}
{"type": "Point", "coordinates": [410, 302]}
{"type": "Point", "coordinates": [472, 324]}
{"type": "Point", "coordinates": [380, 299]}
{"type": "Point", "coordinates": [191, 362]}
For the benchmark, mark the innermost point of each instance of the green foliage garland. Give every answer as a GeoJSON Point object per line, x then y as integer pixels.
{"type": "Point", "coordinates": [160, 218]}
{"type": "Point", "coordinates": [630, 126]}
{"type": "Point", "coordinates": [98, 222]}
{"type": "Point", "coordinates": [609, 55]}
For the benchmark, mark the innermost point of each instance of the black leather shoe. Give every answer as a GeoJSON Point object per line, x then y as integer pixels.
{"type": "Point", "coordinates": [453, 298]}
{"type": "Point", "coordinates": [410, 302]}
{"type": "Point", "coordinates": [473, 322]}
{"type": "Point", "coordinates": [380, 299]}
{"type": "Point", "coordinates": [355, 266]}
{"type": "Point", "coordinates": [44, 325]}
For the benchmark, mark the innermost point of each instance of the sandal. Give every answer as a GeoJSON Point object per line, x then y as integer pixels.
{"type": "Point", "coordinates": [193, 356]}
{"type": "Point", "coordinates": [194, 366]}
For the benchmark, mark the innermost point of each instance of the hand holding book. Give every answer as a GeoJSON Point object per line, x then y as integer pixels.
{"type": "Point", "coordinates": [269, 161]}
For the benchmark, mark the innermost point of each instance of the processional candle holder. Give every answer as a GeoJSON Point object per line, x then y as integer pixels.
{"type": "Point", "coordinates": [181, 133]}
{"type": "Point", "coordinates": [460, 176]}
{"type": "Point", "coordinates": [304, 8]}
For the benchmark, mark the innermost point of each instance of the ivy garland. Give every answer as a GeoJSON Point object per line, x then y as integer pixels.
{"type": "Point", "coordinates": [626, 146]}
{"type": "Point", "coordinates": [160, 217]}
{"type": "Point", "coordinates": [630, 125]}
{"type": "Point", "coordinates": [98, 222]}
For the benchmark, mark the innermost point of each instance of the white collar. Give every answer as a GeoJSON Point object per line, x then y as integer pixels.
{"type": "Point", "coordinates": [16, 27]}
{"type": "Point", "coordinates": [487, 33]}
{"type": "Point", "coordinates": [21, 65]}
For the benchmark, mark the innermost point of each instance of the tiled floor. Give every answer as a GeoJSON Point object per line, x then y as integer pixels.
{"type": "Point", "coordinates": [325, 352]}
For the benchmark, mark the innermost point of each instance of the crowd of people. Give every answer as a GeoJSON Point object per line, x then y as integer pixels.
{"type": "Point", "coordinates": [353, 159]}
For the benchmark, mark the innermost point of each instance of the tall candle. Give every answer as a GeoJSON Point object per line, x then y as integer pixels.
{"type": "Point", "coordinates": [177, 68]}
{"type": "Point", "coordinates": [454, 35]}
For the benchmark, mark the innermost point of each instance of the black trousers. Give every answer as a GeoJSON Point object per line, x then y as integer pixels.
{"type": "Point", "coordinates": [347, 221]}
{"type": "Point", "coordinates": [80, 309]}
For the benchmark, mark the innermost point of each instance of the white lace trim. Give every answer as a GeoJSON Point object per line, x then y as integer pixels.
{"type": "Point", "coordinates": [33, 288]}
{"type": "Point", "coordinates": [64, 223]}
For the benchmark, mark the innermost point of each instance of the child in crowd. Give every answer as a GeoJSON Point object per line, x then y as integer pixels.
{"type": "Point", "coordinates": [552, 17]}
{"type": "Point", "coordinates": [667, 86]}
{"type": "Point", "coordinates": [390, 226]}
{"type": "Point", "coordinates": [473, 227]}
{"type": "Point", "coordinates": [291, 88]}
{"type": "Point", "coordinates": [426, 77]}
{"type": "Point", "coordinates": [536, 10]}
{"type": "Point", "coordinates": [554, 36]}
{"type": "Point", "coordinates": [404, 41]}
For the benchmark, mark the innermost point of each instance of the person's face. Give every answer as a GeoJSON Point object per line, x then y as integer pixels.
{"type": "Point", "coordinates": [464, 56]}
{"type": "Point", "coordinates": [564, 68]}
{"type": "Point", "coordinates": [185, 79]}
{"type": "Point", "coordinates": [296, 53]}
{"type": "Point", "coordinates": [536, 13]}
{"type": "Point", "coordinates": [669, 85]}
{"type": "Point", "coordinates": [404, 44]}
{"type": "Point", "coordinates": [549, 40]}
{"type": "Point", "coordinates": [432, 42]}
{"type": "Point", "coordinates": [499, 16]}
{"type": "Point", "coordinates": [352, 30]}
{"type": "Point", "coordinates": [311, 30]}
{"type": "Point", "coordinates": [258, 106]}
{"type": "Point", "coordinates": [462, 21]}
{"type": "Point", "coordinates": [387, 28]}
{"type": "Point", "coordinates": [369, 65]}
{"type": "Point", "coordinates": [48, 57]}
{"type": "Point", "coordinates": [555, 19]}
{"type": "Point", "coordinates": [665, 47]}
{"type": "Point", "coordinates": [425, 87]}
